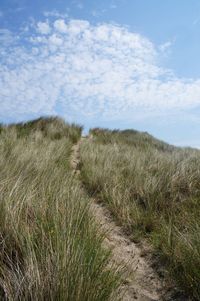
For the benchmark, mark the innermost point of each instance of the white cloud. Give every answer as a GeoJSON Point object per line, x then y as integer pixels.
{"type": "Point", "coordinates": [165, 46]}
{"type": "Point", "coordinates": [7, 37]}
{"type": "Point", "coordinates": [84, 71]}
{"type": "Point", "coordinates": [60, 26]}
{"type": "Point", "coordinates": [56, 14]}
{"type": "Point", "coordinates": [94, 13]}
{"type": "Point", "coordinates": [55, 40]}
{"type": "Point", "coordinates": [43, 28]}
{"type": "Point", "coordinates": [98, 12]}
{"type": "Point", "coordinates": [113, 6]}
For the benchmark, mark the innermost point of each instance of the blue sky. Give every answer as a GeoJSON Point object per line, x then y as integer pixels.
{"type": "Point", "coordinates": [109, 63]}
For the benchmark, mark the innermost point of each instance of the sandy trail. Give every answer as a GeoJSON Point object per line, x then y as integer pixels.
{"type": "Point", "coordinates": [141, 281]}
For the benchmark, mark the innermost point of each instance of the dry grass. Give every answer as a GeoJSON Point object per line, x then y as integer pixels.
{"type": "Point", "coordinates": [50, 248]}
{"type": "Point", "coordinates": [153, 189]}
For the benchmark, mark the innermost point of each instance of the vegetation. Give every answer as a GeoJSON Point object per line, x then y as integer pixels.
{"type": "Point", "coordinates": [153, 190]}
{"type": "Point", "coordinates": [52, 127]}
{"type": "Point", "coordinates": [50, 247]}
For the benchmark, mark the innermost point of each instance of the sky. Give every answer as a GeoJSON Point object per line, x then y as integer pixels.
{"type": "Point", "coordinates": [107, 63]}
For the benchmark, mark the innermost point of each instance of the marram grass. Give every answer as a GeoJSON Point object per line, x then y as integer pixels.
{"type": "Point", "coordinates": [153, 189]}
{"type": "Point", "coordinates": [50, 247]}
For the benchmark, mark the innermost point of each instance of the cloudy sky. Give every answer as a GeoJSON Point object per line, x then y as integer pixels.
{"type": "Point", "coordinates": [109, 63]}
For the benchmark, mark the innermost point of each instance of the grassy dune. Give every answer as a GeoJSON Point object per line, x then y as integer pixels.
{"type": "Point", "coordinates": [153, 189]}
{"type": "Point", "coordinates": [50, 248]}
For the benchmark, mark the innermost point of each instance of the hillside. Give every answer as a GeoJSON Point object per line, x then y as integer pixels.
{"type": "Point", "coordinates": [114, 216]}
{"type": "Point", "coordinates": [50, 247]}
{"type": "Point", "coordinates": [153, 190]}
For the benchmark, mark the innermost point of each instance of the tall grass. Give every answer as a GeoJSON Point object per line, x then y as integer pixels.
{"type": "Point", "coordinates": [52, 127]}
{"type": "Point", "coordinates": [50, 247]}
{"type": "Point", "coordinates": [153, 189]}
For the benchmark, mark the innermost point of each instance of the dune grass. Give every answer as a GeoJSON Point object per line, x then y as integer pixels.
{"type": "Point", "coordinates": [153, 189]}
{"type": "Point", "coordinates": [50, 247]}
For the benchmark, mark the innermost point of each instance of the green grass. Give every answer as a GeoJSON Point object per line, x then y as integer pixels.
{"type": "Point", "coordinates": [153, 189]}
{"type": "Point", "coordinates": [50, 247]}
